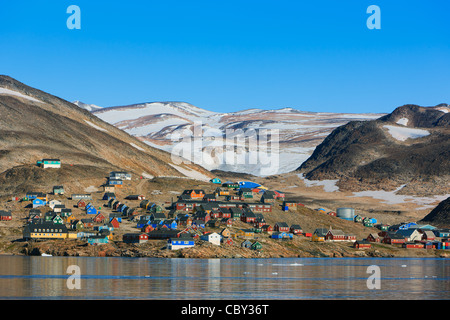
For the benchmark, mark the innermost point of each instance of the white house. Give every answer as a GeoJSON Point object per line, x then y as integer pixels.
{"type": "Point", "coordinates": [52, 203]}
{"type": "Point", "coordinates": [119, 175]}
{"type": "Point", "coordinates": [50, 163]}
{"type": "Point", "coordinates": [180, 243]}
{"type": "Point", "coordinates": [410, 234]}
{"type": "Point", "coordinates": [212, 237]}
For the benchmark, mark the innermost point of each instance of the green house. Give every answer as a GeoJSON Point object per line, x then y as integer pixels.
{"type": "Point", "coordinates": [246, 193]}
{"type": "Point", "coordinates": [58, 190]}
{"type": "Point", "coordinates": [256, 246]}
{"type": "Point", "coordinates": [57, 220]}
{"type": "Point", "coordinates": [358, 218]}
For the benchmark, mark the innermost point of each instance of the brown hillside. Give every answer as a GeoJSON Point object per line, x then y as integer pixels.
{"type": "Point", "coordinates": [54, 128]}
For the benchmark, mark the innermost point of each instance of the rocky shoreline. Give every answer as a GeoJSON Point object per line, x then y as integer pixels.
{"type": "Point", "coordinates": [204, 250]}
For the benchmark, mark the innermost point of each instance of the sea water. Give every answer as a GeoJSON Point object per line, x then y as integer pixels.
{"type": "Point", "coordinates": [205, 279]}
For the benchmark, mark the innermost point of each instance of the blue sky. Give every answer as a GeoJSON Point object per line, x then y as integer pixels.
{"type": "Point", "coordinates": [232, 55]}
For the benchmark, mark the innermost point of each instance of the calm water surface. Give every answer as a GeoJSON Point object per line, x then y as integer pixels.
{"type": "Point", "coordinates": [192, 279]}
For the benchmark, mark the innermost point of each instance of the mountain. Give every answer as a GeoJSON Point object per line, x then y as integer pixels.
{"type": "Point", "coordinates": [439, 216]}
{"type": "Point", "coordinates": [88, 107]}
{"type": "Point", "coordinates": [409, 147]}
{"type": "Point", "coordinates": [36, 125]}
{"type": "Point", "coordinates": [169, 125]}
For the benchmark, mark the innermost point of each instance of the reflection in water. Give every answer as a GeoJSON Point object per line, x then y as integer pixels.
{"type": "Point", "coordinates": [142, 278]}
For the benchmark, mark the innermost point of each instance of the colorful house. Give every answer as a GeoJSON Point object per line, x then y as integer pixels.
{"type": "Point", "coordinates": [46, 230]}
{"type": "Point", "coordinates": [212, 237]}
{"type": "Point", "coordinates": [216, 181]}
{"type": "Point", "coordinates": [194, 194]}
{"type": "Point", "coordinates": [295, 229]}
{"type": "Point", "coordinates": [281, 235]}
{"type": "Point", "coordinates": [38, 203]}
{"type": "Point", "coordinates": [281, 227]}
{"type": "Point", "coordinates": [58, 190]}
{"type": "Point", "coordinates": [115, 223]}
{"type": "Point", "coordinates": [135, 238]}
{"type": "Point", "coordinates": [180, 243]}
{"type": "Point", "coordinates": [362, 244]}
{"type": "Point", "coordinates": [5, 215]}
{"type": "Point", "coordinates": [393, 238]}
{"type": "Point", "coordinates": [49, 163]}
{"type": "Point", "coordinates": [256, 246]}
{"type": "Point", "coordinates": [246, 244]}
{"type": "Point", "coordinates": [91, 210]}
{"type": "Point", "coordinates": [98, 240]}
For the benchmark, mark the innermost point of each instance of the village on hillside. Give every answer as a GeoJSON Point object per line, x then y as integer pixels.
{"type": "Point", "coordinates": [230, 214]}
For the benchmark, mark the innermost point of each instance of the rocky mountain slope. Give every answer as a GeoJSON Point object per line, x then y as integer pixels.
{"type": "Point", "coordinates": [36, 125]}
{"type": "Point", "coordinates": [409, 147]}
{"type": "Point", "coordinates": [439, 216]}
{"type": "Point", "coordinates": [170, 125]}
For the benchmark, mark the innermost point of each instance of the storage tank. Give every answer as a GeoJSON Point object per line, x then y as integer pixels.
{"type": "Point", "coordinates": [345, 213]}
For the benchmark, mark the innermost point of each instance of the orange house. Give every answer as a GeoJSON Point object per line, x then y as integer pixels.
{"type": "Point", "coordinates": [195, 194]}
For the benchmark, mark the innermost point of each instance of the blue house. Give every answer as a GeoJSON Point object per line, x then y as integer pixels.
{"type": "Point", "coordinates": [180, 243]}
{"type": "Point", "coordinates": [115, 182]}
{"type": "Point", "coordinates": [171, 224]}
{"type": "Point", "coordinates": [97, 239]}
{"type": "Point", "coordinates": [123, 208]}
{"type": "Point", "coordinates": [442, 233]}
{"type": "Point", "coordinates": [281, 235]}
{"type": "Point", "coordinates": [38, 203]}
{"type": "Point", "coordinates": [142, 223]}
{"type": "Point", "coordinates": [91, 210]}
{"type": "Point", "coordinates": [216, 181]}
{"type": "Point", "coordinates": [408, 226]}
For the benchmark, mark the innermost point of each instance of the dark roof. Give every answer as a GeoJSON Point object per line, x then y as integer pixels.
{"type": "Point", "coordinates": [282, 224]}
{"type": "Point", "coordinates": [44, 225]}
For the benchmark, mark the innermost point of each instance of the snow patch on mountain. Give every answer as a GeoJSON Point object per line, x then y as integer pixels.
{"type": "Point", "coordinates": [223, 141]}
{"type": "Point", "coordinates": [403, 134]}
{"type": "Point", "coordinates": [17, 94]}
{"type": "Point", "coordinates": [88, 107]}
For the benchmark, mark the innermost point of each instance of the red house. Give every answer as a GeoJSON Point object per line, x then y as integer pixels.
{"type": "Point", "coordinates": [225, 213]}
{"type": "Point", "coordinates": [362, 244]}
{"type": "Point", "coordinates": [335, 235]}
{"type": "Point", "coordinates": [99, 218]}
{"type": "Point", "coordinates": [373, 237]}
{"type": "Point", "coordinates": [267, 228]}
{"type": "Point", "coordinates": [393, 238]}
{"type": "Point", "coordinates": [147, 228]}
{"type": "Point", "coordinates": [248, 217]}
{"type": "Point", "coordinates": [279, 194]}
{"type": "Point", "coordinates": [5, 216]}
{"type": "Point", "coordinates": [203, 216]}
{"type": "Point", "coordinates": [81, 204]}
{"type": "Point", "coordinates": [296, 229]}
{"type": "Point", "coordinates": [413, 245]}
{"type": "Point", "coordinates": [428, 235]}
{"type": "Point", "coordinates": [281, 227]}
{"type": "Point", "coordinates": [115, 223]}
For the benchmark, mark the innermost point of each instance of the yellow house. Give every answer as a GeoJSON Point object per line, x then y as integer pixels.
{"type": "Point", "coordinates": [46, 230]}
{"type": "Point", "coordinates": [223, 191]}
{"type": "Point", "coordinates": [319, 234]}
{"type": "Point", "coordinates": [72, 235]}
{"type": "Point", "coordinates": [244, 233]}
{"type": "Point", "coordinates": [318, 238]}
